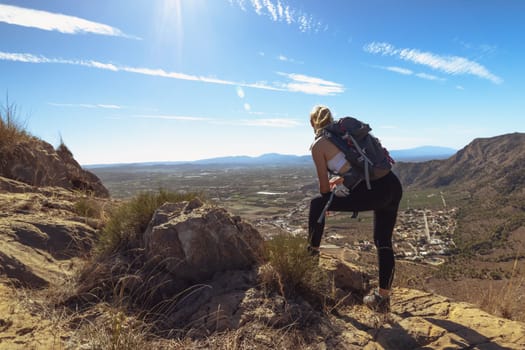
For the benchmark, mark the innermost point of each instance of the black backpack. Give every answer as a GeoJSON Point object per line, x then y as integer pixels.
{"type": "Point", "coordinates": [362, 150]}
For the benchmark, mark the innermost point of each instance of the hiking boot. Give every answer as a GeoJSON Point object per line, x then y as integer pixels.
{"type": "Point", "coordinates": [314, 253]}
{"type": "Point", "coordinates": [377, 302]}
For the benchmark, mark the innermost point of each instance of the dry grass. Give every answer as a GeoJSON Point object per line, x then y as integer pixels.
{"type": "Point", "coordinates": [291, 271]}
{"type": "Point", "coordinates": [12, 129]}
{"type": "Point", "coordinates": [506, 299]}
{"type": "Point", "coordinates": [114, 330]}
{"type": "Point", "coordinates": [128, 221]}
{"type": "Point", "coordinates": [92, 209]}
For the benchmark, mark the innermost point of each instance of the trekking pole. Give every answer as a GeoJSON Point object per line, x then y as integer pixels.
{"type": "Point", "coordinates": [323, 213]}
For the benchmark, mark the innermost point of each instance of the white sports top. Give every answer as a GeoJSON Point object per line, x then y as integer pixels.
{"type": "Point", "coordinates": [336, 163]}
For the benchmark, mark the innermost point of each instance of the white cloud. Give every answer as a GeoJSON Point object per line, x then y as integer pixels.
{"type": "Point", "coordinates": [247, 107]}
{"type": "Point", "coordinates": [86, 105]}
{"type": "Point", "coordinates": [257, 6]}
{"type": "Point", "coordinates": [312, 85]}
{"type": "Point", "coordinates": [459, 87]}
{"type": "Point", "coordinates": [400, 70]}
{"type": "Point", "coordinates": [171, 117]}
{"type": "Point", "coordinates": [288, 15]}
{"type": "Point", "coordinates": [405, 71]}
{"type": "Point", "coordinates": [453, 65]}
{"type": "Point", "coordinates": [300, 83]}
{"type": "Point", "coordinates": [272, 10]}
{"type": "Point", "coordinates": [380, 48]}
{"type": "Point", "coordinates": [288, 59]}
{"type": "Point", "coordinates": [55, 22]}
{"type": "Point", "coordinates": [273, 123]}
{"type": "Point", "coordinates": [263, 122]}
{"type": "Point", "coordinates": [279, 11]}
{"type": "Point", "coordinates": [429, 77]}
{"type": "Point", "coordinates": [240, 92]}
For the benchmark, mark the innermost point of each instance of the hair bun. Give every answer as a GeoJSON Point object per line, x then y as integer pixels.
{"type": "Point", "coordinates": [320, 117]}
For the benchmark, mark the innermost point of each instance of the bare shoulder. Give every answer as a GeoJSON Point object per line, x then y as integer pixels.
{"type": "Point", "coordinates": [320, 144]}
{"type": "Point", "coordinates": [325, 146]}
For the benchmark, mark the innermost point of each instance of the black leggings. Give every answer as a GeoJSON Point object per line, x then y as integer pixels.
{"type": "Point", "coordinates": [383, 199]}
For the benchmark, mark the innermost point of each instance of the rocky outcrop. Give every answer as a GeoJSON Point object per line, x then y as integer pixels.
{"type": "Point", "coordinates": [195, 241]}
{"type": "Point", "coordinates": [40, 233]}
{"type": "Point", "coordinates": [37, 163]}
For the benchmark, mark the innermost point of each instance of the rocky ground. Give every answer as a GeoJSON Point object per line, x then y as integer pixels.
{"type": "Point", "coordinates": [45, 239]}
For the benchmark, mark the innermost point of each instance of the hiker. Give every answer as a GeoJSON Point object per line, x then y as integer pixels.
{"type": "Point", "coordinates": [382, 196]}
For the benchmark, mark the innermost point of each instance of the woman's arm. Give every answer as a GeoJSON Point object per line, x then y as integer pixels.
{"type": "Point", "coordinates": [321, 168]}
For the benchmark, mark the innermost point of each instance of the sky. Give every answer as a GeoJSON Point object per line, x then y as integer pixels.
{"type": "Point", "coordinates": [122, 81]}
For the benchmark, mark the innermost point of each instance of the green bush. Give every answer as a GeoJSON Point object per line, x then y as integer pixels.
{"type": "Point", "coordinates": [127, 222]}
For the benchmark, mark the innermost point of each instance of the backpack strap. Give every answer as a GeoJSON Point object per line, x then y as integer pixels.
{"type": "Point", "coordinates": [366, 163]}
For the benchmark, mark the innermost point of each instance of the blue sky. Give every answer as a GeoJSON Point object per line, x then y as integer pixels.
{"type": "Point", "coordinates": [160, 80]}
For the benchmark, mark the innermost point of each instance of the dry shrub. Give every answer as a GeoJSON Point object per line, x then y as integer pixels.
{"type": "Point", "coordinates": [128, 221]}
{"type": "Point", "coordinates": [506, 301]}
{"type": "Point", "coordinates": [90, 207]}
{"type": "Point", "coordinates": [113, 330]}
{"type": "Point", "coordinates": [292, 271]}
{"type": "Point", "coordinates": [12, 129]}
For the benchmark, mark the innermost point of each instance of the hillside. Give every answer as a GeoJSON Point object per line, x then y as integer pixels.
{"type": "Point", "coordinates": [497, 162]}
{"type": "Point", "coordinates": [487, 180]}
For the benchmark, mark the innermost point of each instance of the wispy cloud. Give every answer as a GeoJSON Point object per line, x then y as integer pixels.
{"type": "Point", "coordinates": [400, 70]}
{"type": "Point", "coordinates": [55, 22]}
{"type": "Point", "coordinates": [273, 122]}
{"type": "Point", "coordinates": [284, 58]}
{"type": "Point", "coordinates": [481, 50]}
{"type": "Point", "coordinates": [262, 122]}
{"type": "Point", "coordinates": [299, 83]}
{"type": "Point", "coordinates": [429, 77]}
{"type": "Point", "coordinates": [406, 71]}
{"type": "Point", "coordinates": [85, 105]}
{"type": "Point", "coordinates": [311, 85]}
{"type": "Point", "coordinates": [453, 65]}
{"type": "Point", "coordinates": [171, 117]}
{"type": "Point", "coordinates": [279, 11]}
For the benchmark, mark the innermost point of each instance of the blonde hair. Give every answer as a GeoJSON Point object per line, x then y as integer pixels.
{"type": "Point", "coordinates": [320, 116]}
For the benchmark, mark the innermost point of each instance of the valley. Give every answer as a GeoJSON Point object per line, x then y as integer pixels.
{"type": "Point", "coordinates": [277, 199]}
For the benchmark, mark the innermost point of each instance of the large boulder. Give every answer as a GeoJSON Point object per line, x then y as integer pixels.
{"type": "Point", "coordinates": [195, 241]}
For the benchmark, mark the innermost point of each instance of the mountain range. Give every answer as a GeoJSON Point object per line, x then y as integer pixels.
{"type": "Point", "coordinates": [417, 154]}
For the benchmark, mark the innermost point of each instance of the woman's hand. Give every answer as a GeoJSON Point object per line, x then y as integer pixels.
{"type": "Point", "coordinates": [334, 181]}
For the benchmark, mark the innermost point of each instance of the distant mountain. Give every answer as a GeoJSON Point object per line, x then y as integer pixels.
{"type": "Point", "coordinates": [414, 155]}
{"type": "Point", "coordinates": [496, 162]}
{"type": "Point", "coordinates": [265, 159]}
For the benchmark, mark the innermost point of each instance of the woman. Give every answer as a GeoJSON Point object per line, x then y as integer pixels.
{"type": "Point", "coordinates": [383, 198]}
